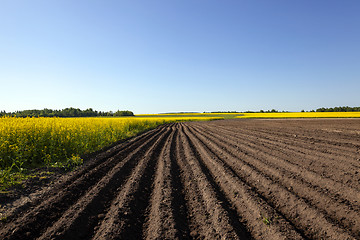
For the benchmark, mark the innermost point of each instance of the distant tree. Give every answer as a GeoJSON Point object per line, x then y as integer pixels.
{"type": "Point", "coordinates": [339, 109]}
{"type": "Point", "coordinates": [67, 112]}
{"type": "Point", "coordinates": [123, 113]}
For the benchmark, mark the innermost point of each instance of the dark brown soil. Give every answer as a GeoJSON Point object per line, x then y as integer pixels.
{"type": "Point", "coordinates": [231, 179]}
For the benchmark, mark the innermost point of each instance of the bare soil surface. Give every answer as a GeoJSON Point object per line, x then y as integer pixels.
{"type": "Point", "coordinates": [228, 179]}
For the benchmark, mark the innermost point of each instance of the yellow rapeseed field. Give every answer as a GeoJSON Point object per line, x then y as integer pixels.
{"type": "Point", "coordinates": [33, 141]}
{"type": "Point", "coordinates": [27, 143]}
{"type": "Point", "coordinates": [302, 115]}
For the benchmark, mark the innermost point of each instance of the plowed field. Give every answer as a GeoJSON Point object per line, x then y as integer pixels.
{"type": "Point", "coordinates": [232, 179]}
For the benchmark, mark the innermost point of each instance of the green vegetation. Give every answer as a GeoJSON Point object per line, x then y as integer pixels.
{"type": "Point", "coordinates": [339, 109]}
{"type": "Point", "coordinates": [266, 220]}
{"type": "Point", "coordinates": [205, 115]}
{"type": "Point", "coordinates": [76, 112]}
{"type": "Point", "coordinates": [27, 143]}
{"type": "Point", "coordinates": [36, 142]}
{"type": "Point", "coordinates": [67, 112]}
{"type": "Point", "coordinates": [3, 219]}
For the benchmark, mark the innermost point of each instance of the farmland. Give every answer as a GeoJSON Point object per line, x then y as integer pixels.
{"type": "Point", "coordinates": [301, 115]}
{"type": "Point", "coordinates": [231, 115]}
{"type": "Point", "coordinates": [229, 179]}
{"type": "Point", "coordinates": [26, 143]}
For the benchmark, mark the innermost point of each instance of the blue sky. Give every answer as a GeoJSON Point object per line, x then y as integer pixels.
{"type": "Point", "coordinates": [178, 55]}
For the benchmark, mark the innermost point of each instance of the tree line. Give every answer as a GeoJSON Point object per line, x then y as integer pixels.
{"type": "Point", "coordinates": [323, 109]}
{"type": "Point", "coordinates": [339, 109]}
{"type": "Point", "coordinates": [67, 112]}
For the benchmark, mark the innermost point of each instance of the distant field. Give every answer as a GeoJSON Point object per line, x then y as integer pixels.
{"type": "Point", "coordinates": [191, 115]}
{"type": "Point", "coordinates": [257, 115]}
{"type": "Point", "coordinates": [302, 115]}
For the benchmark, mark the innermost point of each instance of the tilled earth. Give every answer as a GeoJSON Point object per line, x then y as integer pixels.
{"type": "Point", "coordinates": [231, 179]}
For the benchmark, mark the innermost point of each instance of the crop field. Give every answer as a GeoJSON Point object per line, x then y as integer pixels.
{"type": "Point", "coordinates": [35, 142]}
{"type": "Point", "coordinates": [226, 179]}
{"type": "Point", "coordinates": [260, 115]}
{"type": "Point", "coordinates": [301, 115]}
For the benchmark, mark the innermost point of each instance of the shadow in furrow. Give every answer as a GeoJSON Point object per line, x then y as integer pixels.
{"type": "Point", "coordinates": [136, 217]}
{"type": "Point", "coordinates": [178, 199]}
{"type": "Point", "coordinates": [239, 228]}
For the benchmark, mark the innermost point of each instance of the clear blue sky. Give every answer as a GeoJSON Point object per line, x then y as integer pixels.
{"type": "Point", "coordinates": [179, 55]}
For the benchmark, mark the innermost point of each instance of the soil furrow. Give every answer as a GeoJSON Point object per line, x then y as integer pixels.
{"type": "Point", "coordinates": [250, 148]}
{"type": "Point", "coordinates": [280, 160]}
{"type": "Point", "coordinates": [179, 205]}
{"type": "Point", "coordinates": [285, 200]}
{"type": "Point", "coordinates": [127, 213]}
{"type": "Point", "coordinates": [208, 218]}
{"type": "Point", "coordinates": [316, 154]}
{"type": "Point", "coordinates": [327, 163]}
{"type": "Point", "coordinates": [340, 147]}
{"type": "Point", "coordinates": [81, 218]}
{"type": "Point", "coordinates": [252, 207]}
{"type": "Point", "coordinates": [239, 227]}
{"type": "Point", "coordinates": [161, 220]}
{"type": "Point", "coordinates": [343, 142]}
{"type": "Point", "coordinates": [91, 161]}
{"type": "Point", "coordinates": [322, 131]}
{"type": "Point", "coordinates": [306, 142]}
{"type": "Point", "coordinates": [340, 141]}
{"type": "Point", "coordinates": [336, 210]}
{"type": "Point", "coordinates": [252, 151]}
{"type": "Point", "coordinates": [49, 210]}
